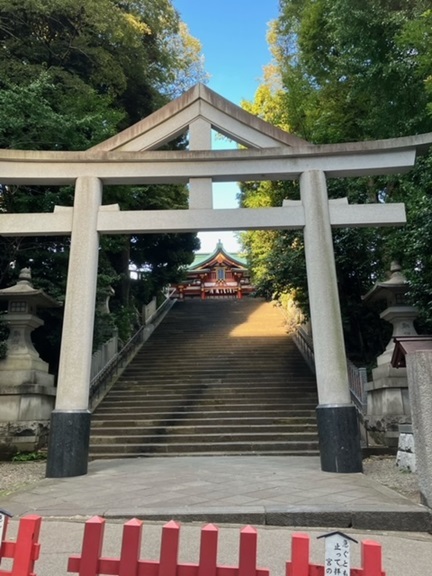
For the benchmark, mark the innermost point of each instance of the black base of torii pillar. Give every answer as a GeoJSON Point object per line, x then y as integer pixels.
{"type": "Point", "coordinates": [339, 439]}
{"type": "Point", "coordinates": [68, 445]}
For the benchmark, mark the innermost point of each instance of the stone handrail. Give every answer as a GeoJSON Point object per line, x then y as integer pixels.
{"type": "Point", "coordinates": [104, 355]}
{"type": "Point", "coordinates": [105, 378]}
{"type": "Point", "coordinates": [102, 382]}
{"type": "Point", "coordinates": [357, 377]}
{"type": "Point", "coordinates": [305, 345]}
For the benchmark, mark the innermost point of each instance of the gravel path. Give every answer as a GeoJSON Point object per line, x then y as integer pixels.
{"type": "Point", "coordinates": [17, 475]}
{"type": "Point", "coordinates": [383, 469]}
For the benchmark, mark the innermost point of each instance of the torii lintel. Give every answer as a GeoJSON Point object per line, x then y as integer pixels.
{"type": "Point", "coordinates": [111, 220]}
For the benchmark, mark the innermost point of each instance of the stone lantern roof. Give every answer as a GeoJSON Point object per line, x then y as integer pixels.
{"type": "Point", "coordinates": [392, 290]}
{"type": "Point", "coordinates": [23, 290]}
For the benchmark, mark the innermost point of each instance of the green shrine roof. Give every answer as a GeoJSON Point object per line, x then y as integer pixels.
{"type": "Point", "coordinates": [201, 258]}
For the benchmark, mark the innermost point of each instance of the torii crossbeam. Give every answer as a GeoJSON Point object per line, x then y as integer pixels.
{"type": "Point", "coordinates": [271, 154]}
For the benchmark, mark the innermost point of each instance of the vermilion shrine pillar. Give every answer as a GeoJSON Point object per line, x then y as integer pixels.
{"type": "Point", "coordinates": [338, 430]}
{"type": "Point", "coordinates": [70, 420]}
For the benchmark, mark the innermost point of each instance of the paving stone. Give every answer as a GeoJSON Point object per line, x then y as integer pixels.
{"type": "Point", "coordinates": [408, 520]}
{"type": "Point", "coordinates": [223, 489]}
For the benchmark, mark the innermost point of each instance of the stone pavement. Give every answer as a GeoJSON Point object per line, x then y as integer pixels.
{"type": "Point", "coordinates": [266, 490]}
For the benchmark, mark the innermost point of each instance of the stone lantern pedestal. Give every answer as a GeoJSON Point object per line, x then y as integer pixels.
{"type": "Point", "coordinates": [27, 390]}
{"type": "Point", "coordinates": [388, 403]}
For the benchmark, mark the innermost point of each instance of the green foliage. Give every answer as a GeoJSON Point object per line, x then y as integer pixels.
{"type": "Point", "coordinates": [127, 322]}
{"type": "Point", "coordinates": [29, 456]}
{"type": "Point", "coordinates": [43, 115]}
{"type": "Point", "coordinates": [352, 65]}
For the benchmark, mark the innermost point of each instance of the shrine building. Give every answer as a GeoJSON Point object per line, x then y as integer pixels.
{"type": "Point", "coordinates": [216, 275]}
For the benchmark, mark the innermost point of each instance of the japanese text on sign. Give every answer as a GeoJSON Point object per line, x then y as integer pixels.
{"type": "Point", "coordinates": [337, 556]}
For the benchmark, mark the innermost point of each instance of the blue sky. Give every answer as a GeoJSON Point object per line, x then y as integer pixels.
{"type": "Point", "coordinates": [233, 37]}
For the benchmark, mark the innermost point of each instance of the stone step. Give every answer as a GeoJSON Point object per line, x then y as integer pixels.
{"type": "Point", "coordinates": [227, 348]}
{"type": "Point", "coordinates": [195, 408]}
{"type": "Point", "coordinates": [188, 381]}
{"type": "Point", "coordinates": [217, 379]}
{"type": "Point", "coordinates": [210, 397]}
{"type": "Point", "coordinates": [145, 391]}
{"type": "Point", "coordinates": [103, 429]}
{"type": "Point", "coordinates": [186, 439]}
{"type": "Point", "coordinates": [203, 414]}
{"type": "Point", "coordinates": [159, 447]}
{"type": "Point", "coordinates": [220, 382]}
{"type": "Point", "coordinates": [226, 351]}
{"type": "Point", "coordinates": [148, 363]}
{"type": "Point", "coordinates": [229, 354]}
{"type": "Point", "coordinates": [132, 399]}
{"type": "Point", "coordinates": [94, 455]}
{"type": "Point", "coordinates": [116, 421]}
{"type": "Point", "coordinates": [250, 408]}
{"type": "Point", "coordinates": [282, 357]}
{"type": "Point", "coordinates": [243, 374]}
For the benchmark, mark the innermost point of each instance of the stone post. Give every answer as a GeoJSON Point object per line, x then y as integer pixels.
{"type": "Point", "coordinates": [70, 421]}
{"type": "Point", "coordinates": [416, 354]}
{"type": "Point", "coordinates": [419, 371]}
{"type": "Point", "coordinates": [200, 189]}
{"type": "Point", "coordinates": [338, 430]}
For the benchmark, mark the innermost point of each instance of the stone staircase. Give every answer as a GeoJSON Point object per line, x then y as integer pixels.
{"type": "Point", "coordinates": [216, 377]}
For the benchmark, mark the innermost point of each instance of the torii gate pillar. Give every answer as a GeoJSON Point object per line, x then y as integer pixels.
{"type": "Point", "coordinates": [70, 421]}
{"type": "Point", "coordinates": [338, 430]}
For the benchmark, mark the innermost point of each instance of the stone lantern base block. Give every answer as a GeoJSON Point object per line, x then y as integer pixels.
{"type": "Point", "coordinates": [339, 439]}
{"type": "Point", "coordinates": [68, 444]}
{"type": "Point", "coordinates": [22, 436]}
{"type": "Point", "coordinates": [24, 417]}
{"type": "Point", "coordinates": [383, 429]}
{"type": "Point", "coordinates": [388, 404]}
{"type": "Point", "coordinates": [25, 375]}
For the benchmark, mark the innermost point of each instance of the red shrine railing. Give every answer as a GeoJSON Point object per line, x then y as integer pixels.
{"type": "Point", "coordinates": [24, 553]}
{"type": "Point", "coordinates": [91, 563]}
{"type": "Point", "coordinates": [25, 550]}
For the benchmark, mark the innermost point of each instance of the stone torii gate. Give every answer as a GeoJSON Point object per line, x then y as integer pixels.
{"type": "Point", "coordinates": [131, 158]}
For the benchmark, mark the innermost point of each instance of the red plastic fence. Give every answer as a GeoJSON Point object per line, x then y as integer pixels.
{"type": "Point", "coordinates": [299, 566]}
{"type": "Point", "coordinates": [91, 563]}
{"type": "Point", "coordinates": [25, 550]}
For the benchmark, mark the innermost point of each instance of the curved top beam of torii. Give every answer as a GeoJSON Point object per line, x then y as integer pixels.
{"type": "Point", "coordinates": [130, 158]}
{"type": "Point", "coordinates": [270, 154]}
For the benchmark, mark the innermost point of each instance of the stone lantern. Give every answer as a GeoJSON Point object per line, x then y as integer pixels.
{"type": "Point", "coordinates": [27, 390]}
{"type": "Point", "coordinates": [388, 400]}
